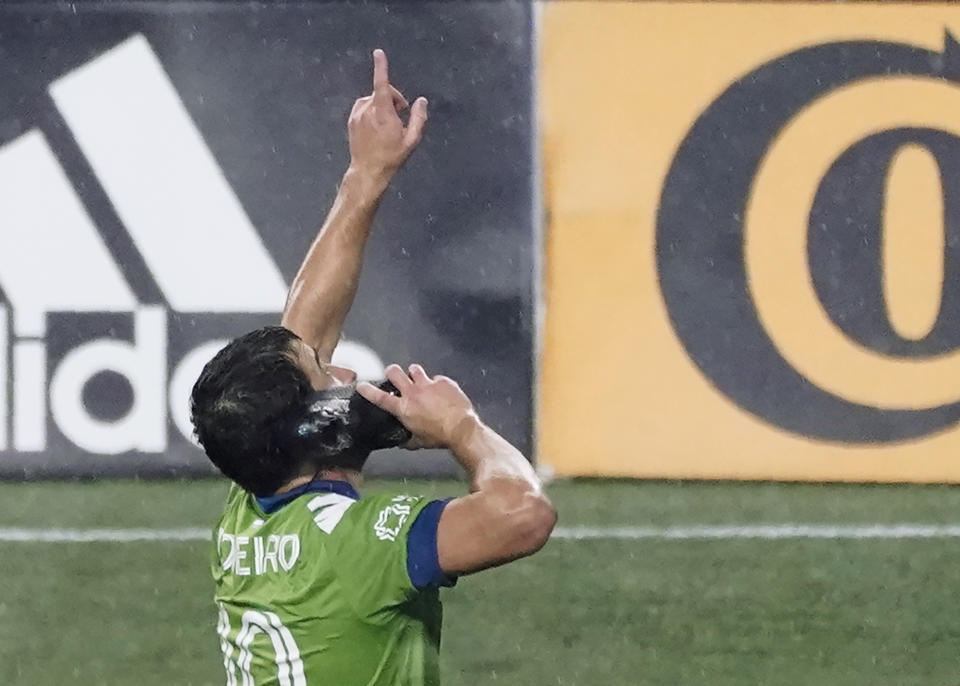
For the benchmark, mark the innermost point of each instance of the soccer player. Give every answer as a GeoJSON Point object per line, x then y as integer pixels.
{"type": "Point", "coordinates": [314, 584]}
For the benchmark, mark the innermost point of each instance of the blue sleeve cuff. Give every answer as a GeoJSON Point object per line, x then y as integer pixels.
{"type": "Point", "coordinates": [423, 564]}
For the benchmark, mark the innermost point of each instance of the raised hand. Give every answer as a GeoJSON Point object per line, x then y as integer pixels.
{"type": "Point", "coordinates": [436, 411]}
{"type": "Point", "coordinates": [379, 142]}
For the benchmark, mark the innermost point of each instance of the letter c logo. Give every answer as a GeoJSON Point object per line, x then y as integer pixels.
{"type": "Point", "coordinates": [762, 285]}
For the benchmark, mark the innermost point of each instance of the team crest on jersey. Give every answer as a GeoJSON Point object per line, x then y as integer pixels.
{"type": "Point", "coordinates": [391, 518]}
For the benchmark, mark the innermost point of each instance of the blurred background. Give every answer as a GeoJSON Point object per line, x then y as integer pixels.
{"type": "Point", "coordinates": [699, 260]}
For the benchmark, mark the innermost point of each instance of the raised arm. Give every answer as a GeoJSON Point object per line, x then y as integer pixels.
{"type": "Point", "coordinates": [507, 515]}
{"type": "Point", "coordinates": [324, 287]}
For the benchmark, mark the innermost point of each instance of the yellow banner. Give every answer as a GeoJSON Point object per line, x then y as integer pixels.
{"type": "Point", "coordinates": [753, 250]}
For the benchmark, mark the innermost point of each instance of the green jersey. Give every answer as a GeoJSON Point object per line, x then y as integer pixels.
{"type": "Point", "coordinates": [319, 591]}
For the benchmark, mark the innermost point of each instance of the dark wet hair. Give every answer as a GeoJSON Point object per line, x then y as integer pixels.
{"type": "Point", "coordinates": [262, 424]}
{"type": "Point", "coordinates": [239, 407]}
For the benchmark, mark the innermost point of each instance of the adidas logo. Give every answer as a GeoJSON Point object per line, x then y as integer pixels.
{"type": "Point", "coordinates": [188, 227]}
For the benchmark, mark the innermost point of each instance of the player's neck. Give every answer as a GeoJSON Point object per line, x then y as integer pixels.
{"type": "Point", "coordinates": [351, 476]}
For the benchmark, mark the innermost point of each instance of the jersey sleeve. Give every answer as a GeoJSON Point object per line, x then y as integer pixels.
{"type": "Point", "coordinates": [369, 552]}
{"type": "Point", "coordinates": [423, 556]}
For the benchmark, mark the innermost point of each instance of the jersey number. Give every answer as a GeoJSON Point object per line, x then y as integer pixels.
{"type": "Point", "coordinates": [286, 653]}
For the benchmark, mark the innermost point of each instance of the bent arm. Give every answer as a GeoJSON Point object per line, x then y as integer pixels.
{"type": "Point", "coordinates": [506, 516]}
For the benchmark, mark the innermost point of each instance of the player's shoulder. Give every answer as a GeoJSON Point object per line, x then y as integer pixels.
{"type": "Point", "coordinates": [231, 503]}
{"type": "Point", "coordinates": [235, 495]}
{"type": "Point", "coordinates": [385, 515]}
{"type": "Point", "coordinates": [399, 503]}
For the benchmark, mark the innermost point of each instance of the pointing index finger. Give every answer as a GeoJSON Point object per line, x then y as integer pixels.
{"type": "Point", "coordinates": [381, 79]}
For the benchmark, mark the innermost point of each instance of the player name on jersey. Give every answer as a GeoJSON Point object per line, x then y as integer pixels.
{"type": "Point", "coordinates": [266, 553]}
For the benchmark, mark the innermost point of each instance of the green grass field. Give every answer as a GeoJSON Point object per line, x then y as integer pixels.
{"type": "Point", "coordinates": [717, 612]}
